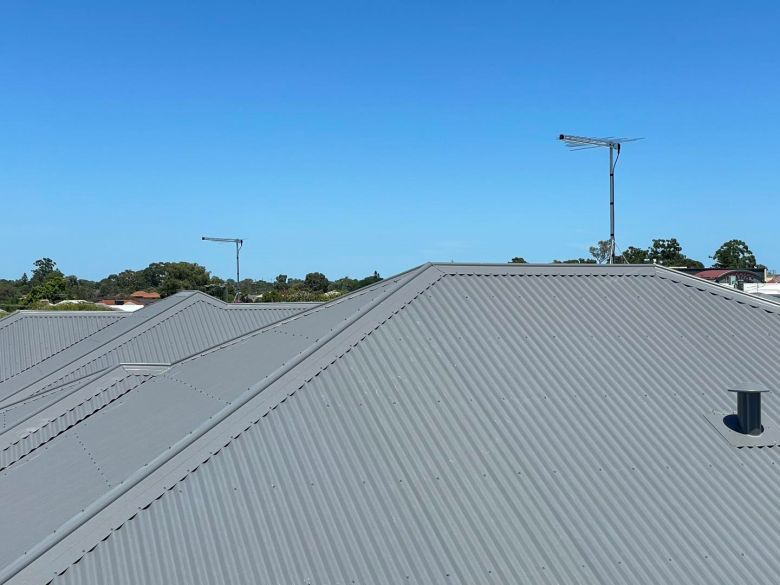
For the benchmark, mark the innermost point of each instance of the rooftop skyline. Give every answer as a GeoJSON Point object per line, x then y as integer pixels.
{"type": "Point", "coordinates": [350, 138]}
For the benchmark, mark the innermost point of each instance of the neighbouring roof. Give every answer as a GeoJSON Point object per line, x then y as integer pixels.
{"type": "Point", "coordinates": [118, 301]}
{"type": "Point", "coordinates": [167, 331]}
{"type": "Point", "coordinates": [720, 273]}
{"type": "Point", "coordinates": [142, 294]}
{"type": "Point", "coordinates": [29, 337]}
{"type": "Point", "coordinates": [456, 424]}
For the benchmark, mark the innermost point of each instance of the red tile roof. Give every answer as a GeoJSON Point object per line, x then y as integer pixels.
{"type": "Point", "coordinates": [142, 294]}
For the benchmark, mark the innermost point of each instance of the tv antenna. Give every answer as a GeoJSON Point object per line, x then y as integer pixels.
{"type": "Point", "coordinates": [239, 243]}
{"type": "Point", "coordinates": [583, 142]}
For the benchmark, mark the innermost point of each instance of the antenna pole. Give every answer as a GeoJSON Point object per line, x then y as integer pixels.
{"type": "Point", "coordinates": [582, 142]}
{"type": "Point", "coordinates": [611, 204]}
{"type": "Point", "coordinates": [239, 243]}
{"type": "Point", "coordinates": [238, 278]}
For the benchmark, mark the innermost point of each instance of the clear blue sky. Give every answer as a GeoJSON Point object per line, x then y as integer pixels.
{"type": "Point", "coordinates": [352, 137]}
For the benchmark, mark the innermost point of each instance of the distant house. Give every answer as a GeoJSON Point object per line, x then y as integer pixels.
{"type": "Point", "coordinates": [724, 275]}
{"type": "Point", "coordinates": [731, 277]}
{"type": "Point", "coordinates": [126, 305]}
{"type": "Point", "coordinates": [144, 297]}
{"type": "Point", "coordinates": [135, 301]}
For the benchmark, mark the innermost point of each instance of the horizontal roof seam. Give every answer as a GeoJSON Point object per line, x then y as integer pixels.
{"type": "Point", "coordinates": [193, 387]}
{"type": "Point", "coordinates": [168, 487]}
{"type": "Point", "coordinates": [63, 415]}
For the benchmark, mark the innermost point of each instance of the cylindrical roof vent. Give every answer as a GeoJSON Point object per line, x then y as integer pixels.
{"type": "Point", "coordinates": [749, 407]}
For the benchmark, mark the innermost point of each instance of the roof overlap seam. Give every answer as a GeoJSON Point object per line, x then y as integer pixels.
{"type": "Point", "coordinates": [63, 415]}
{"type": "Point", "coordinates": [193, 387]}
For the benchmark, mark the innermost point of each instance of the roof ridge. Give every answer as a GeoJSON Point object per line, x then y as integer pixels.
{"type": "Point", "coordinates": [407, 274]}
{"type": "Point", "coordinates": [10, 319]}
{"type": "Point", "coordinates": [191, 440]}
{"type": "Point", "coordinates": [128, 331]}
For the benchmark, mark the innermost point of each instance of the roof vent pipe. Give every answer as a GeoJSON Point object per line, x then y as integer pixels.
{"type": "Point", "coordinates": [749, 407]}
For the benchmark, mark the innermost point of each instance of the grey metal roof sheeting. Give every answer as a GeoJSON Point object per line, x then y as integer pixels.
{"type": "Point", "coordinates": [121, 419]}
{"type": "Point", "coordinates": [29, 337]}
{"type": "Point", "coordinates": [471, 424]}
{"type": "Point", "coordinates": [166, 331]}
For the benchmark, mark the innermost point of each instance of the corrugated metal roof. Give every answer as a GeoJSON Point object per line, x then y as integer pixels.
{"type": "Point", "coordinates": [29, 337]}
{"type": "Point", "coordinates": [166, 331]}
{"type": "Point", "coordinates": [122, 419]}
{"type": "Point", "coordinates": [477, 424]}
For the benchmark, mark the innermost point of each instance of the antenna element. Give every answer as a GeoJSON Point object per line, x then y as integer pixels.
{"type": "Point", "coordinates": [583, 142]}
{"type": "Point", "coordinates": [239, 243]}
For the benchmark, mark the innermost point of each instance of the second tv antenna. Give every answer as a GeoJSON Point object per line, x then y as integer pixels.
{"type": "Point", "coordinates": [583, 142]}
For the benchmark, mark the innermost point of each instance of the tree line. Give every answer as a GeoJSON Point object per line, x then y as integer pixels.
{"type": "Point", "coordinates": [733, 254]}
{"type": "Point", "coordinates": [48, 284]}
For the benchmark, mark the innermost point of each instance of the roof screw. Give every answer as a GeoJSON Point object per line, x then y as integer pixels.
{"type": "Point", "coordinates": [749, 407]}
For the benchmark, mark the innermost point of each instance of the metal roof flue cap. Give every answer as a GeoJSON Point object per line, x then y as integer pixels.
{"type": "Point", "coordinates": [749, 407]}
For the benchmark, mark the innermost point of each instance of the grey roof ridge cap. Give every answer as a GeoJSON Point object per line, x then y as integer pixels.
{"type": "Point", "coordinates": [10, 318]}
{"type": "Point", "coordinates": [591, 268]}
{"type": "Point", "coordinates": [405, 276]}
{"type": "Point", "coordinates": [18, 568]}
{"type": "Point", "coordinates": [86, 379]}
{"type": "Point", "coordinates": [271, 305]}
{"type": "Point", "coordinates": [542, 264]}
{"type": "Point", "coordinates": [220, 303]}
{"type": "Point", "coordinates": [29, 388]}
{"type": "Point", "coordinates": [726, 293]}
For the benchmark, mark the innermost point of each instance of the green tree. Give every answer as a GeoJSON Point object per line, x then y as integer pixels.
{"type": "Point", "coordinates": [634, 255]}
{"type": "Point", "coordinates": [316, 282]}
{"type": "Point", "coordinates": [518, 260]}
{"type": "Point", "coordinates": [280, 283]}
{"type": "Point", "coordinates": [600, 251]}
{"type": "Point", "coordinates": [734, 254]}
{"type": "Point", "coordinates": [575, 261]}
{"type": "Point", "coordinates": [43, 268]}
{"type": "Point", "coordinates": [368, 280]}
{"type": "Point", "coordinates": [669, 253]}
{"type": "Point", "coordinates": [666, 252]}
{"type": "Point", "coordinates": [54, 289]}
{"type": "Point", "coordinates": [345, 284]}
{"type": "Point", "coordinates": [170, 277]}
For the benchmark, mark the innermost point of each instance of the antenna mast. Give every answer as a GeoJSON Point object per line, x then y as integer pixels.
{"type": "Point", "coordinates": [583, 142]}
{"type": "Point", "coordinates": [239, 244]}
